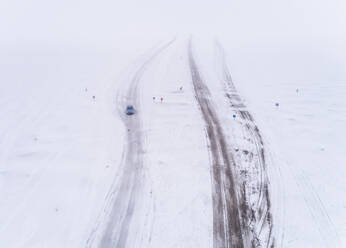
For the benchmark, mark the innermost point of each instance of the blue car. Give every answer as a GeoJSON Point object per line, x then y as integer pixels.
{"type": "Point", "coordinates": [130, 110]}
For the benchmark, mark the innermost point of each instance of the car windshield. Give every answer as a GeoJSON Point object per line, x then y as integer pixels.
{"type": "Point", "coordinates": [129, 107]}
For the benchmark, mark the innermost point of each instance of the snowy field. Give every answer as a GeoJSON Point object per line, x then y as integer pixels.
{"type": "Point", "coordinates": [238, 139]}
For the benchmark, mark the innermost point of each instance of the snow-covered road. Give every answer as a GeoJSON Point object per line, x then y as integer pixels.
{"type": "Point", "coordinates": [240, 201]}
{"type": "Point", "coordinates": [226, 208]}
{"type": "Point", "coordinates": [199, 168]}
{"type": "Point", "coordinates": [127, 190]}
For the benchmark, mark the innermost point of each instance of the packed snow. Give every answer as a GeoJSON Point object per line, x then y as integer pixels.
{"type": "Point", "coordinates": [76, 171]}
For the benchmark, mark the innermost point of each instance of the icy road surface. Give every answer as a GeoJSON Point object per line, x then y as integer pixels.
{"type": "Point", "coordinates": [240, 195]}
{"type": "Point", "coordinates": [200, 168]}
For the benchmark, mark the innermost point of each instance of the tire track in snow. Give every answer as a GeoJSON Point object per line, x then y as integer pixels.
{"type": "Point", "coordinates": [124, 196]}
{"type": "Point", "coordinates": [323, 222]}
{"type": "Point", "coordinates": [227, 230]}
{"type": "Point", "coordinates": [117, 229]}
{"type": "Point", "coordinates": [256, 216]}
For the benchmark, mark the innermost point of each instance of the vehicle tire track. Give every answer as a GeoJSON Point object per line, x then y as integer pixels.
{"type": "Point", "coordinates": [253, 168]}
{"type": "Point", "coordinates": [227, 230]}
{"type": "Point", "coordinates": [126, 192]}
{"type": "Point", "coordinates": [323, 222]}
{"type": "Point", "coordinates": [123, 207]}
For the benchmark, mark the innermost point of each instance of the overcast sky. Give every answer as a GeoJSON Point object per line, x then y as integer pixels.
{"type": "Point", "coordinates": [107, 20]}
{"type": "Point", "coordinates": [290, 39]}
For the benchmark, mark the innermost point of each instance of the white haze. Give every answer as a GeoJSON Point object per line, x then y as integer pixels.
{"type": "Point", "coordinates": [60, 149]}
{"type": "Point", "coordinates": [261, 33]}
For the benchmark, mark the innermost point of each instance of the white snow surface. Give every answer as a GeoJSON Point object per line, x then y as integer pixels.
{"type": "Point", "coordinates": [61, 149]}
{"type": "Point", "coordinates": [57, 147]}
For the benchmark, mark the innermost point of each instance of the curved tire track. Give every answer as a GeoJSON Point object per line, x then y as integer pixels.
{"type": "Point", "coordinates": [123, 207]}
{"type": "Point", "coordinates": [125, 193]}
{"type": "Point", "coordinates": [255, 193]}
{"type": "Point", "coordinates": [227, 231]}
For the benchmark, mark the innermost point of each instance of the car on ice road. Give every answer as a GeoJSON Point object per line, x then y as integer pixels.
{"type": "Point", "coordinates": [129, 110]}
